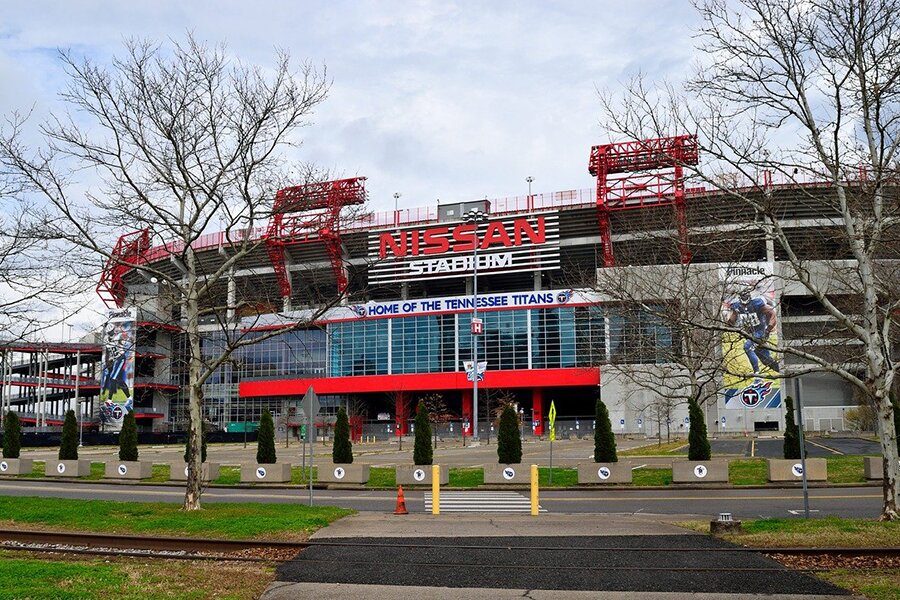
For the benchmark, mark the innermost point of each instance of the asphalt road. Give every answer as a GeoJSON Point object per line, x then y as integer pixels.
{"type": "Point", "coordinates": [646, 563]}
{"type": "Point", "coordinates": [857, 502]}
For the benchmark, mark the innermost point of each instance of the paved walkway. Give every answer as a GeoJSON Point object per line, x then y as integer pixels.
{"type": "Point", "coordinates": [467, 556]}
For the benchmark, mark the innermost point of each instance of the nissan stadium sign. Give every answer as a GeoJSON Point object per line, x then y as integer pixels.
{"type": "Point", "coordinates": [444, 251]}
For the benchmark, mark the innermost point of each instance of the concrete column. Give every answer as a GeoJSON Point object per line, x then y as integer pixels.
{"type": "Point", "coordinates": [467, 412]}
{"type": "Point", "coordinates": [537, 403]}
{"type": "Point", "coordinates": [402, 411]}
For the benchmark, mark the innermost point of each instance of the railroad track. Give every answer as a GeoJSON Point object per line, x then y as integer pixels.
{"type": "Point", "coordinates": [282, 551]}
{"type": "Point", "coordinates": [148, 546]}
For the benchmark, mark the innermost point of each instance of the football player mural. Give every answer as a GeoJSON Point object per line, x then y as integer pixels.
{"type": "Point", "coordinates": [751, 369]}
{"type": "Point", "coordinates": [117, 375]}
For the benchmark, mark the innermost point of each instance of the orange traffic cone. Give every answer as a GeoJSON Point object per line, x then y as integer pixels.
{"type": "Point", "coordinates": [401, 502]}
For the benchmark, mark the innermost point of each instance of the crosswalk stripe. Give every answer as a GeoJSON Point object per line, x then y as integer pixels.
{"type": "Point", "coordinates": [507, 502]}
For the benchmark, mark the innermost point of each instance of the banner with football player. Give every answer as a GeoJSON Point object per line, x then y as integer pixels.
{"type": "Point", "coordinates": [749, 304]}
{"type": "Point", "coordinates": [117, 374]}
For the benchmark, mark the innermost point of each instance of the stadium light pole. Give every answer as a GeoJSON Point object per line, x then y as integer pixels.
{"type": "Point", "coordinates": [397, 209]}
{"type": "Point", "coordinates": [474, 217]}
{"type": "Point", "coordinates": [530, 202]}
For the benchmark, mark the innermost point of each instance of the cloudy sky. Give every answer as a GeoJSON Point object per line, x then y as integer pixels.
{"type": "Point", "coordinates": [435, 100]}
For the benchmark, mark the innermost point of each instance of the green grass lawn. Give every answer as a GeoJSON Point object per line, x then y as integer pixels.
{"type": "Point", "coordinates": [228, 476]}
{"type": "Point", "coordinates": [676, 448]}
{"type": "Point", "coordinates": [648, 477]}
{"type": "Point", "coordinates": [561, 477]}
{"type": "Point", "coordinates": [382, 477]}
{"type": "Point", "coordinates": [160, 473]}
{"type": "Point", "coordinates": [466, 477]}
{"type": "Point", "coordinates": [751, 471]}
{"type": "Point", "coordinates": [826, 532]}
{"type": "Point", "coordinates": [289, 521]}
{"type": "Point", "coordinates": [846, 469]}
{"type": "Point", "coordinates": [38, 577]}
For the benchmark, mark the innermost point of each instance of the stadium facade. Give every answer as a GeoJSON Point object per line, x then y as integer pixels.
{"type": "Point", "coordinates": [548, 332]}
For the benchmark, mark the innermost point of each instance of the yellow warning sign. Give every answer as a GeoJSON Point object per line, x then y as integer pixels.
{"type": "Point", "coordinates": [552, 421]}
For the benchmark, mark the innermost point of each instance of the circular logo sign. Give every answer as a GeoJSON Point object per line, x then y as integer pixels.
{"type": "Point", "coordinates": [260, 472]}
{"type": "Point", "coordinates": [60, 468]}
{"type": "Point", "coordinates": [509, 473]}
{"type": "Point", "coordinates": [603, 473]}
{"type": "Point", "coordinates": [339, 473]}
{"type": "Point", "coordinates": [117, 412]}
{"type": "Point", "coordinates": [797, 470]}
{"type": "Point", "coordinates": [4, 466]}
{"type": "Point", "coordinates": [123, 469]}
{"type": "Point", "coordinates": [750, 397]}
{"type": "Point", "coordinates": [700, 471]}
{"type": "Point", "coordinates": [419, 474]}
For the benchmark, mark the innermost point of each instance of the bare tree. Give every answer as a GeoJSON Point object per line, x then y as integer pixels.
{"type": "Point", "coordinates": [178, 141]}
{"type": "Point", "coordinates": [437, 412]}
{"type": "Point", "coordinates": [657, 346]}
{"type": "Point", "coordinates": [789, 92]}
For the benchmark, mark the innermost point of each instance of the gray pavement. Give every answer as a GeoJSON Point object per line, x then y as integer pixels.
{"type": "Point", "coordinates": [856, 502]}
{"type": "Point", "coordinates": [551, 556]}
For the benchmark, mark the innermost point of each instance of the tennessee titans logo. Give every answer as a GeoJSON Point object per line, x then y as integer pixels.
{"type": "Point", "coordinates": [563, 297]}
{"type": "Point", "coordinates": [359, 309]}
{"type": "Point", "coordinates": [755, 394]}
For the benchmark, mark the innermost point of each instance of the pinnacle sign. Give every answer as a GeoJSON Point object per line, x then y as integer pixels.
{"type": "Point", "coordinates": [443, 251]}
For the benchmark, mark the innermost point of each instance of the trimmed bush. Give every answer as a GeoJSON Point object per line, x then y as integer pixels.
{"type": "Point", "coordinates": [68, 447]}
{"type": "Point", "coordinates": [698, 443]}
{"type": "Point", "coordinates": [187, 444]}
{"type": "Point", "coordinates": [422, 452]}
{"type": "Point", "coordinates": [12, 435]}
{"type": "Point", "coordinates": [128, 444]}
{"type": "Point", "coordinates": [265, 441]}
{"type": "Point", "coordinates": [342, 452]}
{"type": "Point", "coordinates": [604, 438]}
{"type": "Point", "coordinates": [791, 431]}
{"type": "Point", "coordinates": [509, 438]}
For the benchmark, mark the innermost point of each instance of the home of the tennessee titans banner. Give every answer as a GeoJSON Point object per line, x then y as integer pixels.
{"type": "Point", "coordinates": [117, 375]}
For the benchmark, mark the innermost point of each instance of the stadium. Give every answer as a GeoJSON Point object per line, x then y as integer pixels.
{"type": "Point", "coordinates": [545, 330]}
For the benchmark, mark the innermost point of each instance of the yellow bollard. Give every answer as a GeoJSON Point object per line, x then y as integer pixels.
{"type": "Point", "coordinates": [435, 489]}
{"type": "Point", "coordinates": [534, 490]}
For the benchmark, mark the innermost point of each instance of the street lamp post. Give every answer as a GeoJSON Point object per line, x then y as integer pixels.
{"type": "Point", "coordinates": [474, 217]}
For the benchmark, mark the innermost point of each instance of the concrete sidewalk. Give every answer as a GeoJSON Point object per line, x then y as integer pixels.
{"type": "Point", "coordinates": [470, 556]}
{"type": "Point", "coordinates": [342, 591]}
{"type": "Point", "coordinates": [375, 525]}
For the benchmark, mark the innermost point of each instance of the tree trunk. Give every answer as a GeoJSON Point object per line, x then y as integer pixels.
{"type": "Point", "coordinates": [888, 437]}
{"type": "Point", "coordinates": [195, 401]}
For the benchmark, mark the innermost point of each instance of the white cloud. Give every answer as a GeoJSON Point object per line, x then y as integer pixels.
{"type": "Point", "coordinates": [449, 100]}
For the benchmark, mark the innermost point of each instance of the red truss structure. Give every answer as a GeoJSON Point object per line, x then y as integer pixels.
{"type": "Point", "coordinates": [306, 214]}
{"type": "Point", "coordinates": [128, 251]}
{"type": "Point", "coordinates": [641, 174]}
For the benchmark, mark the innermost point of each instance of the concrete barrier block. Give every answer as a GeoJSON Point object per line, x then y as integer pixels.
{"type": "Point", "coordinates": [337, 473]}
{"type": "Point", "coordinates": [67, 468]}
{"type": "Point", "coordinates": [874, 467]}
{"type": "Point", "coordinates": [16, 466]}
{"type": "Point", "coordinates": [791, 470]}
{"type": "Point", "coordinates": [277, 473]}
{"type": "Point", "coordinates": [507, 474]}
{"type": "Point", "coordinates": [617, 472]}
{"type": "Point", "coordinates": [208, 471]}
{"type": "Point", "coordinates": [419, 475]}
{"type": "Point", "coordinates": [128, 469]}
{"type": "Point", "coordinates": [700, 471]}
